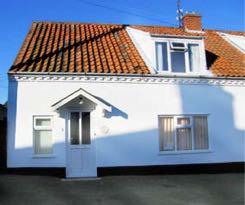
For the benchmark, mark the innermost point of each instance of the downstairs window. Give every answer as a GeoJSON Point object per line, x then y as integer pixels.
{"type": "Point", "coordinates": [183, 133]}
{"type": "Point", "coordinates": [42, 131]}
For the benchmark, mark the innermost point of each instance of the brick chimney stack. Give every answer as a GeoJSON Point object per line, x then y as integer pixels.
{"type": "Point", "coordinates": [192, 22]}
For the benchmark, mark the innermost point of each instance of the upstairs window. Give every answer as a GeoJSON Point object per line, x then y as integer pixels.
{"type": "Point", "coordinates": [178, 57]}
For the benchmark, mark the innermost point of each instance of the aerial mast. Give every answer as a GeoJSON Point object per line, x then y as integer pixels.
{"type": "Point", "coordinates": [180, 13]}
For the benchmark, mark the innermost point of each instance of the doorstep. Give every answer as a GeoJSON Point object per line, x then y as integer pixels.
{"type": "Point", "coordinates": [81, 179]}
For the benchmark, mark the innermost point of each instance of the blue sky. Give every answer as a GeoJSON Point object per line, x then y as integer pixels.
{"type": "Point", "coordinates": [16, 17]}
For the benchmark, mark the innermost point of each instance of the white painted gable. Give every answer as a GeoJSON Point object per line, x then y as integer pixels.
{"type": "Point", "coordinates": [235, 40]}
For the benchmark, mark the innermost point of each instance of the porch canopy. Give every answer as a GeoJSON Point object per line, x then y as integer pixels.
{"type": "Point", "coordinates": [81, 95]}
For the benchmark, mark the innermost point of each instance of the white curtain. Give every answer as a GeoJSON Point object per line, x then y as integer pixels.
{"type": "Point", "coordinates": [43, 141]}
{"type": "Point", "coordinates": [200, 125]}
{"type": "Point", "coordinates": [194, 57]}
{"type": "Point", "coordinates": [159, 56]}
{"type": "Point", "coordinates": [184, 140]}
{"type": "Point", "coordinates": [166, 133]}
{"type": "Point", "coordinates": [162, 56]}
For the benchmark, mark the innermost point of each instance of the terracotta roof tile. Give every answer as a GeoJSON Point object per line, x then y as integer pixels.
{"type": "Point", "coordinates": [228, 60]}
{"type": "Point", "coordinates": [68, 47]}
{"type": "Point", "coordinates": [98, 48]}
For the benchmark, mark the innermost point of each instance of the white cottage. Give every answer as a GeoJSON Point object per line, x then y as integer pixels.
{"type": "Point", "coordinates": [90, 96]}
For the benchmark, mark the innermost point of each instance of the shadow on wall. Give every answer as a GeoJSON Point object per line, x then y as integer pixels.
{"type": "Point", "coordinates": [116, 112]}
{"type": "Point", "coordinates": [39, 166]}
{"type": "Point", "coordinates": [226, 140]}
{"type": "Point", "coordinates": [142, 147]}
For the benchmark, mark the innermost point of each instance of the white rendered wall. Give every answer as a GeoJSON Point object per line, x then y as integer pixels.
{"type": "Point", "coordinates": [133, 136]}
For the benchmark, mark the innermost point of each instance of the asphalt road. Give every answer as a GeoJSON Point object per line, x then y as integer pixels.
{"type": "Point", "coordinates": [136, 190]}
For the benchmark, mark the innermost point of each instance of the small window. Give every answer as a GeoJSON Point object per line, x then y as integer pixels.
{"type": "Point", "coordinates": [178, 46]}
{"type": "Point", "coordinates": [183, 121]}
{"type": "Point", "coordinates": [42, 135]}
{"type": "Point", "coordinates": [181, 133]}
{"type": "Point", "coordinates": [43, 122]}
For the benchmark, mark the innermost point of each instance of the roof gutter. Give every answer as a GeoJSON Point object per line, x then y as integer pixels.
{"type": "Point", "coordinates": [123, 75]}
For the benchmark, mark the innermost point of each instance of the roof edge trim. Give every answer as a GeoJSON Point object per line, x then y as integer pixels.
{"type": "Point", "coordinates": [53, 74]}
{"type": "Point", "coordinates": [85, 94]}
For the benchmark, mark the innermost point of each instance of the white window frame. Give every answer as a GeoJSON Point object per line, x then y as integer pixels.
{"type": "Point", "coordinates": [176, 47]}
{"type": "Point", "coordinates": [176, 126]}
{"type": "Point", "coordinates": [38, 127]}
{"type": "Point", "coordinates": [170, 48]}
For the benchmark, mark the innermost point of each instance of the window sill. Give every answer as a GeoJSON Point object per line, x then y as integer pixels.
{"type": "Point", "coordinates": [43, 156]}
{"type": "Point", "coordinates": [184, 152]}
{"type": "Point", "coordinates": [80, 146]}
{"type": "Point", "coordinates": [184, 74]}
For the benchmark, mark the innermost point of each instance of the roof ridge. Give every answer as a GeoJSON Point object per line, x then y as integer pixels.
{"type": "Point", "coordinates": [131, 25]}
{"type": "Point", "coordinates": [80, 23]}
{"type": "Point", "coordinates": [225, 31]}
{"type": "Point", "coordinates": [105, 24]}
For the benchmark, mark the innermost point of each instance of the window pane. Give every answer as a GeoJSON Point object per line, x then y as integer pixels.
{"type": "Point", "coordinates": [43, 122]}
{"type": "Point", "coordinates": [194, 57]}
{"type": "Point", "coordinates": [183, 121]}
{"type": "Point", "coordinates": [174, 44]}
{"type": "Point", "coordinates": [74, 128]}
{"type": "Point", "coordinates": [86, 128]}
{"type": "Point", "coordinates": [166, 133]}
{"type": "Point", "coordinates": [184, 139]}
{"type": "Point", "coordinates": [200, 124]}
{"type": "Point", "coordinates": [178, 62]}
{"type": "Point", "coordinates": [162, 57]}
{"type": "Point", "coordinates": [43, 142]}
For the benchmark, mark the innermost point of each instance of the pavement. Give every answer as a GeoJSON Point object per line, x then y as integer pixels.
{"type": "Point", "coordinates": [220, 189]}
